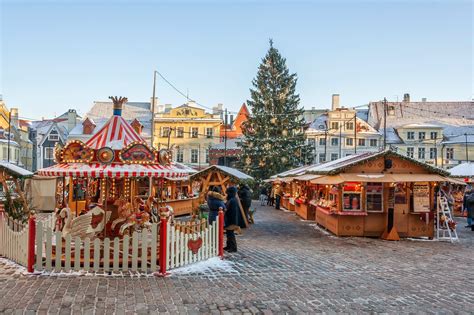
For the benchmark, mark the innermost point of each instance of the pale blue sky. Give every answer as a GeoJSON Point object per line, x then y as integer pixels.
{"type": "Point", "coordinates": [66, 54]}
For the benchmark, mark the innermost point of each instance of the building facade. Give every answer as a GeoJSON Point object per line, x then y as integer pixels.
{"type": "Point", "coordinates": [438, 133]}
{"type": "Point", "coordinates": [340, 132]}
{"type": "Point", "coordinates": [189, 132]}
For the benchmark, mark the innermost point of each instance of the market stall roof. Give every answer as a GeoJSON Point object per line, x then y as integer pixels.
{"type": "Point", "coordinates": [340, 165]}
{"type": "Point", "coordinates": [15, 169]}
{"type": "Point", "coordinates": [328, 180]}
{"type": "Point", "coordinates": [463, 170]}
{"type": "Point", "coordinates": [378, 178]}
{"type": "Point", "coordinates": [114, 170]}
{"type": "Point", "coordinates": [116, 134]}
{"type": "Point", "coordinates": [294, 171]}
{"type": "Point", "coordinates": [232, 172]}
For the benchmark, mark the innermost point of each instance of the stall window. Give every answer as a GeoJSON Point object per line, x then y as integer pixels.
{"type": "Point", "coordinates": [374, 198]}
{"type": "Point", "coordinates": [351, 197]}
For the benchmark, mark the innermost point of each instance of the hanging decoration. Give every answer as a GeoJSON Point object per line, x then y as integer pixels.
{"type": "Point", "coordinates": [76, 151]}
{"type": "Point", "coordinates": [137, 153]}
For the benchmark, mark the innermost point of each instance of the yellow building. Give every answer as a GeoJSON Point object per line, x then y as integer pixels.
{"type": "Point", "coordinates": [189, 132]}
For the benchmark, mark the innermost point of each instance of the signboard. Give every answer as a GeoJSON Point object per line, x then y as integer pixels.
{"type": "Point", "coordinates": [421, 197]}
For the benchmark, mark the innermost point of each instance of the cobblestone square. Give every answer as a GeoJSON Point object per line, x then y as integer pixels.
{"type": "Point", "coordinates": [284, 265]}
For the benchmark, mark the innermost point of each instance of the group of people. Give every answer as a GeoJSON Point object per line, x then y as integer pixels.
{"type": "Point", "coordinates": [468, 206]}
{"type": "Point", "coordinates": [233, 217]}
{"type": "Point", "coordinates": [271, 196]}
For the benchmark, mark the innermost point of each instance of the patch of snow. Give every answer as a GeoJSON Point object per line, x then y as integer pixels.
{"type": "Point", "coordinates": [320, 229]}
{"type": "Point", "coordinates": [20, 270]}
{"type": "Point", "coordinates": [209, 266]}
{"type": "Point", "coordinates": [421, 239]}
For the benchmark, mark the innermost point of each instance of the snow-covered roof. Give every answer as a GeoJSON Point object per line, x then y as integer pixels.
{"type": "Point", "coordinates": [392, 136]}
{"type": "Point", "coordinates": [15, 169]}
{"type": "Point", "coordinates": [229, 170]}
{"type": "Point", "coordinates": [463, 170]}
{"type": "Point", "coordinates": [421, 125]}
{"type": "Point", "coordinates": [469, 138]}
{"type": "Point", "coordinates": [232, 144]}
{"type": "Point", "coordinates": [300, 170]}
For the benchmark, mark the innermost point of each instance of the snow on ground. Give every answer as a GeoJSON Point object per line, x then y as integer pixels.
{"type": "Point", "coordinates": [19, 269]}
{"type": "Point", "coordinates": [320, 229]}
{"type": "Point", "coordinates": [209, 266]}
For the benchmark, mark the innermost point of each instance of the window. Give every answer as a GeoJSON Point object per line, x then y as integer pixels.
{"type": "Point", "coordinates": [194, 132]}
{"type": "Point", "coordinates": [322, 157]}
{"type": "Point", "coordinates": [194, 155]}
{"type": "Point", "coordinates": [180, 132]}
{"type": "Point", "coordinates": [373, 142]}
{"type": "Point", "coordinates": [433, 135]}
{"type": "Point", "coordinates": [334, 141]}
{"type": "Point", "coordinates": [350, 126]}
{"type": "Point", "coordinates": [361, 142]}
{"type": "Point", "coordinates": [207, 156]}
{"type": "Point", "coordinates": [433, 153]}
{"type": "Point", "coordinates": [5, 153]}
{"type": "Point", "coordinates": [165, 131]}
{"type": "Point", "coordinates": [349, 141]}
{"type": "Point", "coordinates": [179, 156]}
{"type": "Point", "coordinates": [421, 153]}
{"type": "Point", "coordinates": [410, 151]}
{"type": "Point", "coordinates": [335, 125]}
{"type": "Point", "coordinates": [209, 133]}
{"type": "Point", "coordinates": [53, 137]}
{"type": "Point", "coordinates": [311, 142]}
{"type": "Point", "coordinates": [374, 193]}
{"type": "Point", "coordinates": [450, 153]}
{"type": "Point", "coordinates": [411, 135]}
{"type": "Point", "coordinates": [48, 153]}
{"type": "Point", "coordinates": [351, 197]}
{"type": "Point", "coordinates": [421, 135]}
{"type": "Point", "coordinates": [322, 141]}
{"type": "Point", "coordinates": [334, 156]}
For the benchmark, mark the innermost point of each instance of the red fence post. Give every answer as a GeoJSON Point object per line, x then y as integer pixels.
{"type": "Point", "coordinates": [163, 242]}
{"type": "Point", "coordinates": [31, 242]}
{"type": "Point", "coordinates": [221, 233]}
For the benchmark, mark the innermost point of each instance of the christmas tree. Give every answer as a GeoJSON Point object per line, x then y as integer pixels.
{"type": "Point", "coordinates": [274, 135]}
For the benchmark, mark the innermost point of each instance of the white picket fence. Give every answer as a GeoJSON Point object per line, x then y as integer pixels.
{"type": "Point", "coordinates": [136, 253]}
{"type": "Point", "coordinates": [13, 240]}
{"type": "Point", "coordinates": [178, 251]}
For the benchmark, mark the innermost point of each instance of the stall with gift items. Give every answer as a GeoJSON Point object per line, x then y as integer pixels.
{"type": "Point", "coordinates": [284, 184]}
{"type": "Point", "coordinates": [463, 174]}
{"type": "Point", "coordinates": [381, 194]}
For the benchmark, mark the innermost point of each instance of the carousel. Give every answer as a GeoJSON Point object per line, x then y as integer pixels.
{"type": "Point", "coordinates": [113, 184]}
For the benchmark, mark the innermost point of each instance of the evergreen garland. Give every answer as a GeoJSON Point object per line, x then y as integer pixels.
{"type": "Point", "coordinates": [274, 133]}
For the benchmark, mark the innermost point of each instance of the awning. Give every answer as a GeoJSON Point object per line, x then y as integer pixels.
{"type": "Point", "coordinates": [307, 177]}
{"type": "Point", "coordinates": [417, 178]}
{"type": "Point", "coordinates": [328, 180]}
{"type": "Point", "coordinates": [113, 170]}
{"type": "Point", "coordinates": [371, 178]}
{"type": "Point", "coordinates": [456, 181]}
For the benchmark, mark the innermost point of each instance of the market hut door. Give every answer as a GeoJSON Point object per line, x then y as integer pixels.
{"type": "Point", "coordinates": [401, 208]}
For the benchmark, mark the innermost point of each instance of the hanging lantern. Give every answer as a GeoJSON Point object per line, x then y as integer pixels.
{"type": "Point", "coordinates": [248, 160]}
{"type": "Point", "coordinates": [273, 120]}
{"type": "Point", "coordinates": [261, 163]}
{"type": "Point", "coordinates": [284, 159]}
{"type": "Point", "coordinates": [284, 132]}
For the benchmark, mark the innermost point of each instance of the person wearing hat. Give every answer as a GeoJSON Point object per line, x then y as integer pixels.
{"type": "Point", "coordinates": [468, 205]}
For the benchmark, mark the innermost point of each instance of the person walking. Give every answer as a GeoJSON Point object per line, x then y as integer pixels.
{"type": "Point", "coordinates": [215, 200]}
{"type": "Point", "coordinates": [231, 221]}
{"type": "Point", "coordinates": [271, 197]}
{"type": "Point", "coordinates": [468, 205]}
{"type": "Point", "coordinates": [245, 195]}
{"type": "Point", "coordinates": [277, 196]}
{"type": "Point", "coordinates": [263, 195]}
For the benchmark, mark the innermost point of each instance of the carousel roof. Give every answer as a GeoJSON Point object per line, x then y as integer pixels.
{"type": "Point", "coordinates": [115, 134]}
{"type": "Point", "coordinates": [114, 170]}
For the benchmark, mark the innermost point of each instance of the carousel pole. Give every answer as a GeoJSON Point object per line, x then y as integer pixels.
{"type": "Point", "coordinates": [105, 207]}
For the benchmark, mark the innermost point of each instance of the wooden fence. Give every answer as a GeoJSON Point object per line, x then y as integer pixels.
{"type": "Point", "coordinates": [164, 246]}
{"type": "Point", "coordinates": [13, 240]}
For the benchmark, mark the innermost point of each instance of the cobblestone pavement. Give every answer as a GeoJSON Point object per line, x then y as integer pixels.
{"type": "Point", "coordinates": [284, 265]}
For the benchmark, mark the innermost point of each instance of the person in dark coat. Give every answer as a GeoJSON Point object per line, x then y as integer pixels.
{"type": "Point", "coordinates": [215, 200]}
{"type": "Point", "coordinates": [245, 195]}
{"type": "Point", "coordinates": [468, 205]}
{"type": "Point", "coordinates": [231, 221]}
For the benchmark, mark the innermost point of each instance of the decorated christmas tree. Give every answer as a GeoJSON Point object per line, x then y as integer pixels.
{"type": "Point", "coordinates": [274, 135]}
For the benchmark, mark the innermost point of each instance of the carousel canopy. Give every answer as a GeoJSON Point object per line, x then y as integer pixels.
{"type": "Point", "coordinates": [115, 134]}
{"type": "Point", "coordinates": [114, 170]}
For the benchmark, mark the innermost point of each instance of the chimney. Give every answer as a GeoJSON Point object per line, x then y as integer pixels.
{"type": "Point", "coordinates": [156, 102]}
{"type": "Point", "coordinates": [118, 104]}
{"type": "Point", "coordinates": [217, 110]}
{"type": "Point", "coordinates": [423, 99]}
{"type": "Point", "coordinates": [406, 98]}
{"type": "Point", "coordinates": [71, 119]}
{"type": "Point", "coordinates": [137, 126]}
{"type": "Point", "coordinates": [168, 108]}
{"type": "Point", "coordinates": [335, 101]}
{"type": "Point", "coordinates": [88, 126]}
{"type": "Point", "coordinates": [14, 117]}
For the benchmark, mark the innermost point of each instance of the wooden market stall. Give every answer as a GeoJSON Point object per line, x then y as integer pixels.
{"type": "Point", "coordinates": [11, 189]}
{"type": "Point", "coordinates": [114, 177]}
{"type": "Point", "coordinates": [370, 194]}
{"type": "Point", "coordinates": [463, 173]}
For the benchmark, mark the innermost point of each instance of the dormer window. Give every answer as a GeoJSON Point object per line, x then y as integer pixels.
{"type": "Point", "coordinates": [53, 137]}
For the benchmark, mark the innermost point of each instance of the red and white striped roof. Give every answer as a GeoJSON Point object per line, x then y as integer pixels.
{"type": "Point", "coordinates": [98, 170]}
{"type": "Point", "coordinates": [116, 134]}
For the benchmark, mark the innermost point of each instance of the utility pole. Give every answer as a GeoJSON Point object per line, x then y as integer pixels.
{"type": "Point", "coordinates": [384, 123]}
{"type": "Point", "coordinates": [153, 110]}
{"type": "Point", "coordinates": [169, 137]}
{"type": "Point", "coordinates": [199, 156]}
{"type": "Point", "coordinates": [340, 141]}
{"type": "Point", "coordinates": [9, 134]}
{"type": "Point", "coordinates": [467, 152]}
{"type": "Point", "coordinates": [225, 138]}
{"type": "Point", "coordinates": [355, 133]}
{"type": "Point", "coordinates": [436, 153]}
{"type": "Point", "coordinates": [325, 141]}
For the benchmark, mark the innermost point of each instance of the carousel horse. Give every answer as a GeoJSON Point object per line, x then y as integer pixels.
{"type": "Point", "coordinates": [85, 226]}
